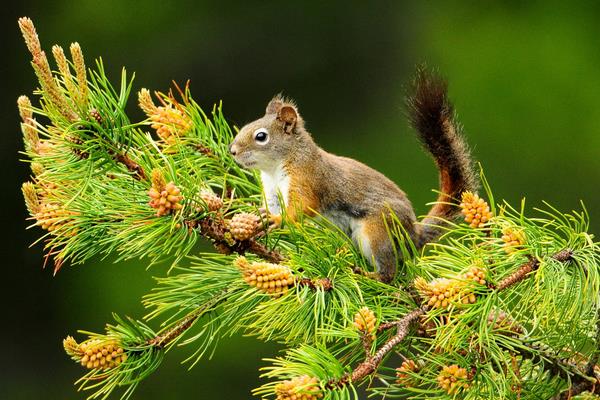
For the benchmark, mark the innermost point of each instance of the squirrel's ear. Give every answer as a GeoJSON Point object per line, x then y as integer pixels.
{"type": "Point", "coordinates": [289, 117]}
{"type": "Point", "coordinates": [274, 105]}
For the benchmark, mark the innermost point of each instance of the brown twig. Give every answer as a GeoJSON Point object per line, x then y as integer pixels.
{"type": "Point", "coordinates": [371, 363]}
{"type": "Point", "coordinates": [525, 269]}
{"type": "Point", "coordinates": [132, 166]}
{"type": "Point", "coordinates": [164, 339]}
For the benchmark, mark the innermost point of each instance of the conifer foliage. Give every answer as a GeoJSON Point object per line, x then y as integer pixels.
{"type": "Point", "coordinates": [504, 306]}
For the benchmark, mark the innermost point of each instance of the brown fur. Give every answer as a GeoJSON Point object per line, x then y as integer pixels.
{"type": "Point", "coordinates": [352, 195]}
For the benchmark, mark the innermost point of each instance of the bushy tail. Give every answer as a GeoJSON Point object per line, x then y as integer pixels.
{"type": "Point", "coordinates": [432, 115]}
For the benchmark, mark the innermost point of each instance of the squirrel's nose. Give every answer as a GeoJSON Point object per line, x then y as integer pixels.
{"type": "Point", "coordinates": [232, 149]}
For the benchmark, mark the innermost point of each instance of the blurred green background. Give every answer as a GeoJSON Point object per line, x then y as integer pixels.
{"type": "Point", "coordinates": [525, 78]}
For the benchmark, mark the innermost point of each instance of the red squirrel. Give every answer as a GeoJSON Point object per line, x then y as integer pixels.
{"type": "Point", "coordinates": [353, 196]}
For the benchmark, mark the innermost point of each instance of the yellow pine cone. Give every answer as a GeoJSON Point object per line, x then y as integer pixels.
{"type": "Point", "coordinates": [244, 225]}
{"type": "Point", "coordinates": [52, 216]}
{"type": "Point", "coordinates": [365, 321]}
{"type": "Point", "coordinates": [95, 353]}
{"type": "Point", "coordinates": [212, 201]}
{"type": "Point", "coordinates": [169, 121]}
{"type": "Point", "coordinates": [475, 210]}
{"type": "Point", "coordinates": [476, 274]}
{"type": "Point", "coordinates": [273, 279]}
{"type": "Point", "coordinates": [403, 373]}
{"type": "Point", "coordinates": [443, 292]}
{"type": "Point", "coordinates": [513, 239]}
{"type": "Point", "coordinates": [453, 379]}
{"type": "Point", "coordinates": [164, 199]}
{"type": "Point", "coordinates": [299, 388]}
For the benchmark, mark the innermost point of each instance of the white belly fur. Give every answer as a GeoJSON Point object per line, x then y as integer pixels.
{"type": "Point", "coordinates": [275, 183]}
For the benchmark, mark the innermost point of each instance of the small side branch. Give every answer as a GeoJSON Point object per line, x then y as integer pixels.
{"type": "Point", "coordinates": [132, 166]}
{"type": "Point", "coordinates": [371, 363]}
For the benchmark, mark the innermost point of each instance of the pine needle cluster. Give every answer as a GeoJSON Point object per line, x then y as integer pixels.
{"type": "Point", "coordinates": [505, 305]}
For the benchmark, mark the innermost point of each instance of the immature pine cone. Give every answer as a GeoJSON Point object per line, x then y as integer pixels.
{"type": "Point", "coordinates": [403, 373]}
{"type": "Point", "coordinates": [273, 279]}
{"type": "Point", "coordinates": [475, 209]}
{"type": "Point", "coordinates": [365, 321]}
{"type": "Point", "coordinates": [299, 388]}
{"type": "Point", "coordinates": [212, 201]}
{"type": "Point", "coordinates": [52, 216]}
{"type": "Point", "coordinates": [170, 122]}
{"type": "Point", "coordinates": [453, 378]}
{"type": "Point", "coordinates": [244, 225]}
{"type": "Point", "coordinates": [95, 114]}
{"type": "Point", "coordinates": [513, 239]}
{"type": "Point", "coordinates": [475, 274]}
{"type": "Point", "coordinates": [443, 292]}
{"type": "Point", "coordinates": [165, 198]}
{"type": "Point", "coordinates": [95, 353]}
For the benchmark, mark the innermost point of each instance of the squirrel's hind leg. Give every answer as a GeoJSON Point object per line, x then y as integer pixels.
{"type": "Point", "coordinates": [371, 236]}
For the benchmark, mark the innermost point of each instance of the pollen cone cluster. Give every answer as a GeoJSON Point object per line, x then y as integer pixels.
{"type": "Point", "coordinates": [403, 376]}
{"type": "Point", "coordinates": [170, 121]}
{"type": "Point", "coordinates": [273, 279]}
{"type": "Point", "coordinates": [365, 321]}
{"type": "Point", "coordinates": [453, 378]}
{"type": "Point", "coordinates": [513, 239]}
{"type": "Point", "coordinates": [244, 225]}
{"type": "Point", "coordinates": [300, 388]}
{"type": "Point", "coordinates": [164, 197]}
{"type": "Point", "coordinates": [443, 292]}
{"type": "Point", "coordinates": [475, 210]}
{"type": "Point", "coordinates": [53, 216]}
{"type": "Point", "coordinates": [212, 201]}
{"type": "Point", "coordinates": [95, 353]}
{"type": "Point", "coordinates": [475, 274]}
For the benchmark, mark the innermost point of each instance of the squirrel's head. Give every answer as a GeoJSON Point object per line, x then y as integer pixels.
{"type": "Point", "coordinates": [272, 139]}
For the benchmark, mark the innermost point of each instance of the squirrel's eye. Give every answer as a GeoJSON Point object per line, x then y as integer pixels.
{"type": "Point", "coordinates": [261, 136]}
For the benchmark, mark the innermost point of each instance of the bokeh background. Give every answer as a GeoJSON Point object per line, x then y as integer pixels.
{"type": "Point", "coordinates": [525, 78]}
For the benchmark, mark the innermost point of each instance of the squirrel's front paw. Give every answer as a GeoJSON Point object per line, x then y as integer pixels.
{"type": "Point", "coordinates": [270, 221]}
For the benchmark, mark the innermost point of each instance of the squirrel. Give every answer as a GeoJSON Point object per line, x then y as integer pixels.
{"type": "Point", "coordinates": [355, 197]}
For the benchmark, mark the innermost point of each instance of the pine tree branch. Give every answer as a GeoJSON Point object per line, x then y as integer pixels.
{"type": "Point", "coordinates": [216, 231]}
{"type": "Point", "coordinates": [370, 364]}
{"type": "Point", "coordinates": [173, 333]}
{"type": "Point", "coordinates": [132, 166]}
{"type": "Point", "coordinates": [525, 269]}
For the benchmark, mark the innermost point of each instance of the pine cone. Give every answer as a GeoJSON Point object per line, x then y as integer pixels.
{"type": "Point", "coordinates": [443, 292]}
{"type": "Point", "coordinates": [513, 239]}
{"type": "Point", "coordinates": [365, 321]}
{"type": "Point", "coordinates": [244, 225]}
{"type": "Point", "coordinates": [299, 388]}
{"type": "Point", "coordinates": [165, 198]}
{"type": "Point", "coordinates": [212, 201]}
{"type": "Point", "coordinates": [52, 216]}
{"type": "Point", "coordinates": [476, 274]}
{"type": "Point", "coordinates": [475, 209]}
{"type": "Point", "coordinates": [95, 114]}
{"type": "Point", "coordinates": [95, 353]}
{"type": "Point", "coordinates": [403, 376]}
{"type": "Point", "coordinates": [273, 279]}
{"type": "Point", "coordinates": [453, 379]}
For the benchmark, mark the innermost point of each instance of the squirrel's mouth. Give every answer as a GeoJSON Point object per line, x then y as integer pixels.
{"type": "Point", "coordinates": [244, 160]}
